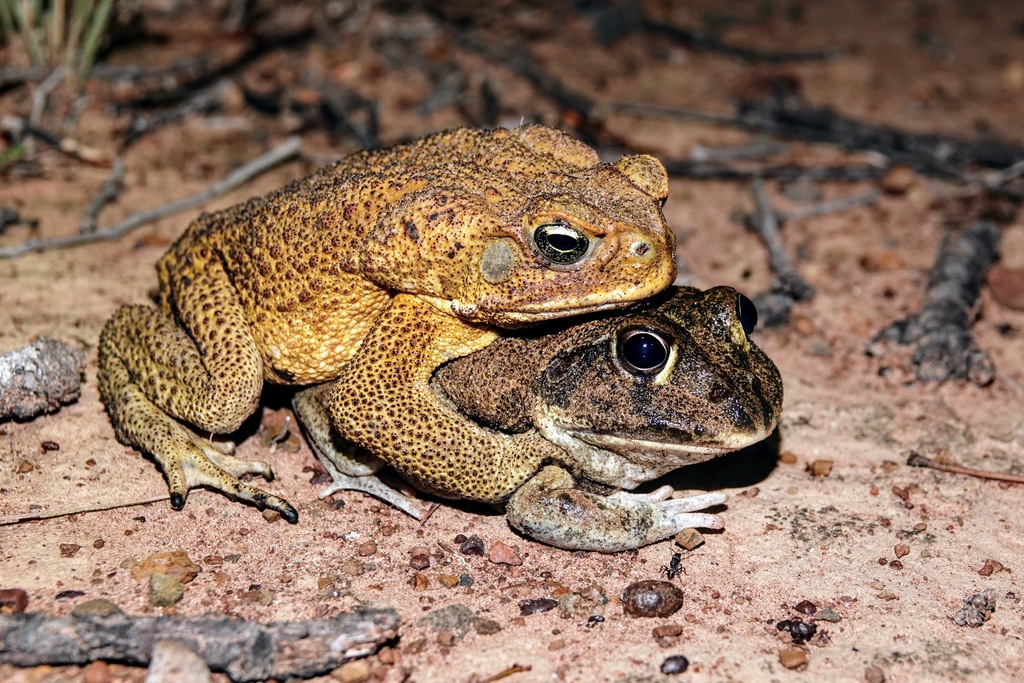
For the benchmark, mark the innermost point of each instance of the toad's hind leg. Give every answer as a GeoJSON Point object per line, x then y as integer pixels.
{"type": "Point", "coordinates": [155, 375]}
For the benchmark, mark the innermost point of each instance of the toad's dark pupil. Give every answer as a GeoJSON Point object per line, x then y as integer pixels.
{"type": "Point", "coordinates": [560, 243]}
{"type": "Point", "coordinates": [747, 312]}
{"type": "Point", "coordinates": [644, 352]}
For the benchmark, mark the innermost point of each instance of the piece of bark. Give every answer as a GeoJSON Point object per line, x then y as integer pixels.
{"type": "Point", "coordinates": [39, 378]}
{"type": "Point", "coordinates": [244, 650]}
{"type": "Point", "coordinates": [944, 347]}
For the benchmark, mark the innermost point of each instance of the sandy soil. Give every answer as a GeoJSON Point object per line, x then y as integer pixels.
{"type": "Point", "coordinates": [892, 551]}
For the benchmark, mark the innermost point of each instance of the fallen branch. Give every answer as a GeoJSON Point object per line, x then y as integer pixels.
{"type": "Point", "coordinates": [834, 206]}
{"type": "Point", "coordinates": [244, 650]}
{"type": "Point", "coordinates": [944, 346]}
{"type": "Point", "coordinates": [788, 286]}
{"type": "Point", "coordinates": [109, 193]}
{"type": "Point", "coordinates": [285, 150]}
{"type": "Point", "coordinates": [918, 460]}
{"type": "Point", "coordinates": [708, 43]}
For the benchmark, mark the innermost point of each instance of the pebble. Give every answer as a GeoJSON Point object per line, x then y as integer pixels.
{"type": "Point", "coordinates": [174, 563]}
{"type": "Point", "coordinates": [96, 608]}
{"type": "Point", "coordinates": [456, 618]}
{"type": "Point", "coordinates": [828, 614]}
{"type": "Point", "coordinates": [651, 598]}
{"type": "Point", "coordinates": [13, 600]}
{"type": "Point", "coordinates": [536, 606]}
{"type": "Point", "coordinates": [501, 553]}
{"type": "Point", "coordinates": [165, 590]}
{"type": "Point", "coordinates": [805, 607]}
{"type": "Point", "coordinates": [676, 664]}
{"type": "Point", "coordinates": [465, 580]}
{"type": "Point", "coordinates": [172, 662]}
{"type": "Point", "coordinates": [352, 671]}
{"type": "Point", "coordinates": [898, 180]}
{"type": "Point", "coordinates": [688, 539]}
{"type": "Point", "coordinates": [486, 627]}
{"type": "Point", "coordinates": [1007, 286]}
{"type": "Point", "coordinates": [367, 549]}
{"type": "Point", "coordinates": [473, 545]}
{"type": "Point", "coordinates": [448, 580]}
{"type": "Point", "coordinates": [419, 557]}
{"type": "Point", "coordinates": [793, 658]}
{"type": "Point", "coordinates": [820, 468]}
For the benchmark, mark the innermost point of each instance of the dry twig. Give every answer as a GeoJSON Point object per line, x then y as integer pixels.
{"type": "Point", "coordinates": [918, 460]}
{"type": "Point", "coordinates": [285, 150]}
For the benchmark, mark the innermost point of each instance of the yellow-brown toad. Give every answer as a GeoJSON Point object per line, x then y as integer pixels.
{"type": "Point", "coordinates": [627, 398]}
{"type": "Point", "coordinates": [373, 272]}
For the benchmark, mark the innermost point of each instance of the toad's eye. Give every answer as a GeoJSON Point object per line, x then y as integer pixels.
{"type": "Point", "coordinates": [561, 243]}
{"type": "Point", "coordinates": [642, 351]}
{"type": "Point", "coordinates": [747, 312]}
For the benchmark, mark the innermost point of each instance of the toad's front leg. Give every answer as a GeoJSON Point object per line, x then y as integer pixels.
{"type": "Point", "coordinates": [350, 467]}
{"type": "Point", "coordinates": [551, 509]}
{"type": "Point", "coordinates": [383, 401]}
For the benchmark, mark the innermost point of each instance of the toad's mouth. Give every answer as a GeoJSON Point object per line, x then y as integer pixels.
{"type": "Point", "coordinates": [650, 447]}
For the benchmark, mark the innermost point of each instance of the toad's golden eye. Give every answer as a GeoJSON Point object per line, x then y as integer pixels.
{"type": "Point", "coordinates": [643, 351]}
{"type": "Point", "coordinates": [561, 243]}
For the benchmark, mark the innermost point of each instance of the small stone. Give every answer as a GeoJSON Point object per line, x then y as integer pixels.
{"type": "Point", "coordinates": [69, 549]}
{"type": "Point", "coordinates": [793, 658]}
{"type": "Point", "coordinates": [651, 598]}
{"type": "Point", "coordinates": [881, 260]}
{"type": "Point", "coordinates": [556, 644]}
{"type": "Point", "coordinates": [419, 557]}
{"type": "Point", "coordinates": [13, 600]}
{"type": "Point", "coordinates": [676, 664]}
{"type": "Point", "coordinates": [172, 662]}
{"type": "Point", "coordinates": [688, 539]}
{"type": "Point", "coordinates": [901, 550]}
{"type": "Point", "coordinates": [828, 614]}
{"type": "Point", "coordinates": [455, 618]}
{"type": "Point", "coordinates": [670, 630]}
{"type": "Point", "coordinates": [165, 590]}
{"type": "Point", "coordinates": [898, 180]}
{"type": "Point", "coordinates": [448, 580]}
{"type": "Point", "coordinates": [366, 549]}
{"type": "Point", "coordinates": [175, 563]}
{"type": "Point", "coordinates": [486, 627]}
{"type": "Point", "coordinates": [536, 606]}
{"type": "Point", "coordinates": [473, 545]}
{"type": "Point", "coordinates": [24, 467]}
{"type": "Point", "coordinates": [874, 674]}
{"type": "Point", "coordinates": [805, 607]}
{"type": "Point", "coordinates": [97, 607]}
{"type": "Point", "coordinates": [990, 567]}
{"type": "Point", "coordinates": [418, 581]}
{"type": "Point", "coordinates": [787, 458]}
{"type": "Point", "coordinates": [576, 604]}
{"type": "Point", "coordinates": [1007, 286]}
{"type": "Point", "coordinates": [353, 566]}
{"type": "Point", "coordinates": [820, 467]}
{"type": "Point", "coordinates": [352, 671]}
{"type": "Point", "coordinates": [501, 553]}
{"type": "Point", "coordinates": [465, 580]}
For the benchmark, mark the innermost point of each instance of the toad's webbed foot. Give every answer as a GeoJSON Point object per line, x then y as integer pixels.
{"type": "Point", "coordinates": [550, 509]}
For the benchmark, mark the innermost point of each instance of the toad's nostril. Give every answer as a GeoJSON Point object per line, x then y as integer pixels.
{"type": "Point", "coordinates": [641, 248]}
